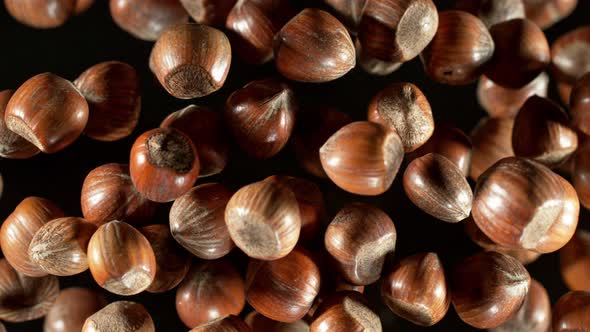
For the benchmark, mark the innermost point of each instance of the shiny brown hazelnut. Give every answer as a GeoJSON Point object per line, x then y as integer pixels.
{"type": "Point", "coordinates": [25, 298]}
{"type": "Point", "coordinates": [492, 141]}
{"type": "Point", "coordinates": [580, 104]}
{"type": "Point", "coordinates": [533, 316]}
{"type": "Point", "coordinates": [416, 289]}
{"type": "Point", "coordinates": [164, 164]}
{"type": "Point", "coordinates": [570, 55]}
{"type": "Point", "coordinates": [109, 194]}
{"type": "Point", "coordinates": [48, 111]}
{"type": "Point", "coordinates": [121, 259]}
{"type": "Point", "coordinates": [261, 116]}
{"type": "Point", "coordinates": [460, 49]}
{"type": "Point", "coordinates": [197, 221]}
{"type": "Point", "coordinates": [372, 65]}
{"type": "Point", "coordinates": [437, 186]}
{"type": "Point", "coordinates": [59, 247]}
{"type": "Point", "coordinates": [491, 12]}
{"type": "Point", "coordinates": [229, 323]}
{"type": "Point", "coordinates": [572, 312]}
{"type": "Point", "coordinates": [501, 102]}
{"type": "Point", "coordinates": [310, 200]}
{"type": "Point", "coordinates": [254, 24]}
{"type": "Point", "coordinates": [191, 60]}
{"type": "Point", "coordinates": [349, 12]}
{"type": "Point", "coordinates": [545, 13]}
{"type": "Point", "coordinates": [210, 291]}
{"type": "Point", "coordinates": [358, 239]}
{"type": "Point", "coordinates": [312, 131]}
{"type": "Point", "coordinates": [71, 308]}
{"type": "Point", "coordinates": [581, 173]}
{"type": "Point", "coordinates": [313, 47]}
{"type": "Point", "coordinates": [272, 291]}
{"type": "Point", "coordinates": [120, 316]}
{"type": "Point", "coordinates": [206, 129]}
{"type": "Point", "coordinates": [112, 91]}
{"type": "Point", "coordinates": [263, 220]}
{"type": "Point", "coordinates": [362, 157]}
{"type": "Point", "coordinates": [488, 288]}
{"type": "Point", "coordinates": [521, 204]}
{"type": "Point", "coordinates": [172, 262]}
{"type": "Point", "coordinates": [209, 12]}
{"type": "Point", "coordinates": [478, 237]}
{"type": "Point", "coordinates": [403, 108]}
{"type": "Point", "coordinates": [41, 14]}
{"type": "Point", "coordinates": [19, 228]}
{"type": "Point", "coordinates": [346, 311]}
{"type": "Point", "coordinates": [147, 19]}
{"type": "Point", "coordinates": [12, 146]}
{"type": "Point", "coordinates": [397, 31]}
{"type": "Point", "coordinates": [575, 261]}
{"type": "Point", "coordinates": [521, 53]}
{"type": "Point", "coordinates": [449, 142]}
{"type": "Point", "coordinates": [541, 132]}
{"type": "Point", "coordinates": [258, 322]}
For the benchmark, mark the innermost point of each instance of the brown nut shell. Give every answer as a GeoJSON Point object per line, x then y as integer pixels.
{"type": "Point", "coordinates": [572, 312]}
{"type": "Point", "coordinates": [540, 213]}
{"type": "Point", "coordinates": [112, 91]}
{"type": "Point", "coordinates": [147, 19]}
{"type": "Point", "coordinates": [416, 289]}
{"type": "Point", "coordinates": [488, 288]}
{"type": "Point", "coordinates": [346, 311]}
{"type": "Point", "coordinates": [314, 47]}
{"type": "Point", "coordinates": [12, 146]}
{"type": "Point", "coordinates": [25, 298]}
{"type": "Point", "coordinates": [533, 316]}
{"type": "Point", "coordinates": [20, 227]}
{"type": "Point", "coordinates": [358, 239]}
{"type": "Point", "coordinates": [109, 194]}
{"type": "Point", "coordinates": [164, 164]}
{"type": "Point", "coordinates": [120, 316]}
{"type": "Point", "coordinates": [210, 291]}
{"type": "Point", "coordinates": [261, 115]}
{"type": "Point", "coordinates": [197, 221]}
{"type": "Point", "coordinates": [273, 292]}
{"type": "Point", "coordinates": [362, 158]}
{"type": "Point", "coordinates": [71, 308]}
{"type": "Point", "coordinates": [48, 111]}
{"type": "Point", "coordinates": [541, 132]}
{"type": "Point", "coordinates": [397, 30]}
{"type": "Point", "coordinates": [264, 220]}
{"type": "Point", "coordinates": [403, 108]}
{"type": "Point", "coordinates": [59, 247]}
{"type": "Point", "coordinates": [191, 60]}
{"type": "Point", "coordinates": [41, 14]}
{"type": "Point", "coordinates": [460, 49]}
{"type": "Point", "coordinates": [437, 186]}
{"type": "Point", "coordinates": [121, 259]}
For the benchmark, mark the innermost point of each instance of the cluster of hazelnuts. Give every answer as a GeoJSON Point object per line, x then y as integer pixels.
{"type": "Point", "coordinates": [519, 209]}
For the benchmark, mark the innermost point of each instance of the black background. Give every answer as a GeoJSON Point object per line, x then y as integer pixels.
{"type": "Point", "coordinates": [93, 37]}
